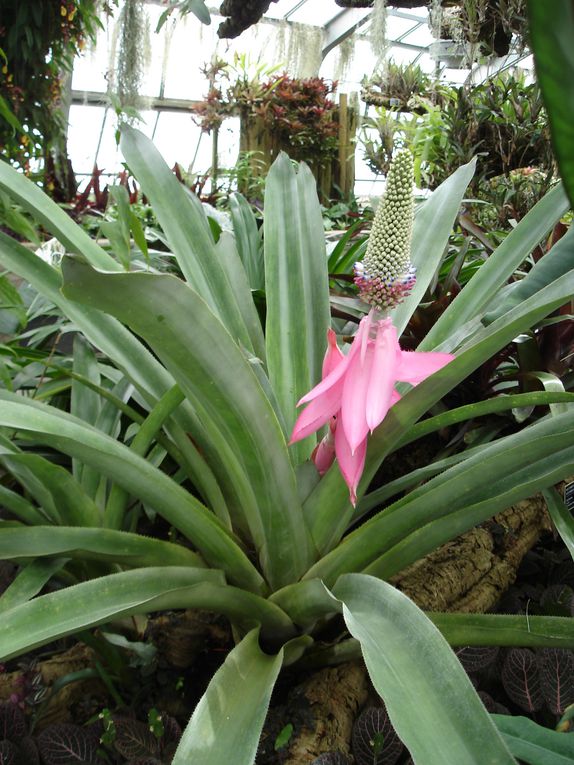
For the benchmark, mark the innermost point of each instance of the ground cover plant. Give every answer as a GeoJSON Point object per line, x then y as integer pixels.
{"type": "Point", "coordinates": [258, 534]}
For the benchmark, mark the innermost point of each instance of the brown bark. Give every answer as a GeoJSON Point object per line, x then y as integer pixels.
{"type": "Point", "coordinates": [322, 711]}
{"type": "Point", "coordinates": [471, 573]}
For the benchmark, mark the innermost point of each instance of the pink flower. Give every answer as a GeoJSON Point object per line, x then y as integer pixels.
{"type": "Point", "coordinates": [358, 390]}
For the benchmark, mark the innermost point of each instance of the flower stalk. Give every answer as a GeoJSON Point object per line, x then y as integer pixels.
{"type": "Point", "coordinates": [357, 390]}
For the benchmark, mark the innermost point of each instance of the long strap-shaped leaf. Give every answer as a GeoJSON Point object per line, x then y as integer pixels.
{"type": "Point", "coordinates": [533, 743]}
{"type": "Point", "coordinates": [419, 542]}
{"type": "Point", "coordinates": [551, 40]}
{"type": "Point", "coordinates": [105, 332]}
{"type": "Point", "coordinates": [499, 267]}
{"type": "Point", "coordinates": [296, 286]}
{"type": "Point", "coordinates": [54, 488]}
{"type": "Point", "coordinates": [94, 544]}
{"type": "Point", "coordinates": [53, 218]}
{"type": "Point", "coordinates": [139, 591]}
{"type": "Point", "coordinates": [555, 263]}
{"type": "Point", "coordinates": [226, 724]}
{"type": "Point", "coordinates": [429, 697]}
{"type": "Point", "coordinates": [185, 225]}
{"type": "Point", "coordinates": [432, 227]}
{"type": "Point", "coordinates": [328, 505]}
{"type": "Point", "coordinates": [458, 629]}
{"type": "Point", "coordinates": [29, 581]}
{"type": "Point", "coordinates": [245, 444]}
{"type": "Point", "coordinates": [248, 240]}
{"type": "Point", "coordinates": [137, 476]}
{"type": "Point", "coordinates": [458, 499]}
{"type": "Point", "coordinates": [118, 343]}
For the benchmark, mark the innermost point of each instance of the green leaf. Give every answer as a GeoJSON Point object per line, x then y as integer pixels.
{"type": "Point", "coordinates": [199, 9]}
{"type": "Point", "coordinates": [551, 37]}
{"type": "Point", "coordinates": [555, 263]}
{"type": "Point", "coordinates": [143, 440]}
{"type": "Point", "coordinates": [29, 581]}
{"type": "Point", "coordinates": [84, 402]}
{"type": "Point", "coordinates": [501, 403]}
{"type": "Point", "coordinates": [296, 286]}
{"type": "Point", "coordinates": [104, 332]}
{"type": "Point", "coordinates": [122, 348]}
{"type": "Point", "coordinates": [19, 507]}
{"type": "Point", "coordinates": [7, 114]}
{"type": "Point", "coordinates": [248, 240]}
{"type": "Point", "coordinates": [499, 267]}
{"type": "Point", "coordinates": [139, 591]}
{"type": "Point", "coordinates": [183, 220]}
{"type": "Point", "coordinates": [53, 218]}
{"type": "Point", "coordinates": [561, 517]}
{"type": "Point", "coordinates": [11, 302]}
{"type": "Point", "coordinates": [94, 544]}
{"type": "Point", "coordinates": [227, 722]}
{"type": "Point", "coordinates": [506, 630]}
{"type": "Point", "coordinates": [137, 476]}
{"type": "Point", "coordinates": [534, 744]}
{"type": "Point", "coordinates": [244, 444]}
{"type": "Point", "coordinates": [61, 496]}
{"type": "Point", "coordinates": [509, 469]}
{"type": "Point", "coordinates": [428, 695]}
{"type": "Point", "coordinates": [432, 227]}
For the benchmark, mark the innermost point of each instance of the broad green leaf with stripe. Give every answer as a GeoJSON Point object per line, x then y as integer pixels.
{"type": "Point", "coordinates": [20, 507]}
{"type": "Point", "coordinates": [54, 488]}
{"type": "Point", "coordinates": [29, 581]}
{"type": "Point", "coordinates": [103, 331]}
{"type": "Point", "coordinates": [499, 267]}
{"type": "Point", "coordinates": [553, 264]}
{"type": "Point", "coordinates": [459, 630]}
{"type": "Point", "coordinates": [138, 591]}
{"type": "Point", "coordinates": [296, 287]}
{"type": "Point", "coordinates": [468, 493]}
{"type": "Point", "coordinates": [248, 240]}
{"type": "Point", "coordinates": [227, 722]}
{"type": "Point", "coordinates": [185, 226]}
{"type": "Point", "coordinates": [551, 35]}
{"type": "Point", "coordinates": [94, 544]}
{"type": "Point", "coordinates": [328, 504]}
{"type": "Point", "coordinates": [140, 366]}
{"type": "Point", "coordinates": [534, 744]}
{"type": "Point", "coordinates": [84, 402]}
{"type": "Point", "coordinates": [141, 443]}
{"type": "Point", "coordinates": [53, 218]}
{"type": "Point", "coordinates": [429, 698]}
{"type": "Point", "coordinates": [244, 444]}
{"type": "Point", "coordinates": [73, 437]}
{"type": "Point", "coordinates": [432, 227]}
{"type": "Point", "coordinates": [500, 403]}
{"type": "Point", "coordinates": [561, 517]}
{"type": "Point", "coordinates": [506, 630]}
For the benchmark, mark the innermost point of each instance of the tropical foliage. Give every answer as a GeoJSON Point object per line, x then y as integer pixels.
{"type": "Point", "coordinates": [258, 535]}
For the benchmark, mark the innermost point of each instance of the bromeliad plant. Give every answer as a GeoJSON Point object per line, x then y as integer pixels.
{"type": "Point", "coordinates": [259, 535]}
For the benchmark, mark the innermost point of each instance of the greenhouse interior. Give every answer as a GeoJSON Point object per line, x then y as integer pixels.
{"type": "Point", "coordinates": [286, 382]}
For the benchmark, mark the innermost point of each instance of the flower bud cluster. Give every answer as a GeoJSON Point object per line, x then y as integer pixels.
{"type": "Point", "coordinates": [386, 276]}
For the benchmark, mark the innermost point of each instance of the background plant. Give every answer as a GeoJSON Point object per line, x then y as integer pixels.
{"type": "Point", "coordinates": [502, 122]}
{"type": "Point", "coordinates": [39, 42]}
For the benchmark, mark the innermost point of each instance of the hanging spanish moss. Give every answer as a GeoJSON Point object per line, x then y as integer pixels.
{"type": "Point", "coordinates": [304, 51]}
{"type": "Point", "coordinates": [133, 54]}
{"type": "Point", "coordinates": [378, 31]}
{"type": "Point", "coordinates": [435, 18]}
{"type": "Point", "coordinates": [346, 51]}
{"type": "Point", "coordinates": [281, 41]}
